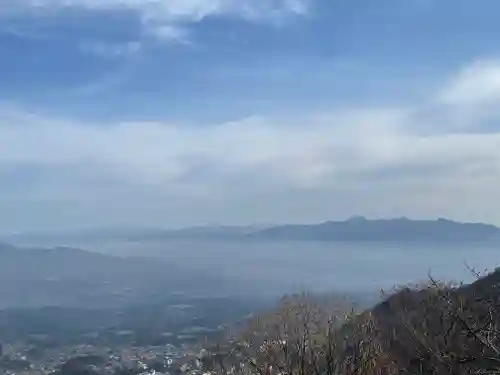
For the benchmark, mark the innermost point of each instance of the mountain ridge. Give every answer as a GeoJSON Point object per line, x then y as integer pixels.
{"type": "Point", "coordinates": [401, 229]}
{"type": "Point", "coordinates": [356, 228]}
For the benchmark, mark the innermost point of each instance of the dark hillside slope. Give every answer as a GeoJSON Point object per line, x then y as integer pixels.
{"type": "Point", "coordinates": [441, 330]}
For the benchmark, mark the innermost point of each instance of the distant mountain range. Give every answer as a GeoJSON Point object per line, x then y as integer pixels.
{"type": "Point", "coordinates": [362, 229]}
{"type": "Point", "coordinates": [354, 229]}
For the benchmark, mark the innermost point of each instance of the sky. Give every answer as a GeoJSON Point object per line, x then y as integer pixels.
{"type": "Point", "coordinates": [171, 113]}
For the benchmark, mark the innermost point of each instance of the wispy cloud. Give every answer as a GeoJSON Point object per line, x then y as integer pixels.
{"type": "Point", "coordinates": [472, 95]}
{"type": "Point", "coordinates": [175, 33]}
{"type": "Point", "coordinates": [126, 53]}
{"type": "Point", "coordinates": [475, 84]}
{"type": "Point", "coordinates": [110, 50]}
{"type": "Point", "coordinates": [378, 160]}
{"type": "Point", "coordinates": [170, 19]}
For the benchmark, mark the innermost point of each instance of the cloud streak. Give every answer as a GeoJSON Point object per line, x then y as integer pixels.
{"type": "Point", "coordinates": [169, 19]}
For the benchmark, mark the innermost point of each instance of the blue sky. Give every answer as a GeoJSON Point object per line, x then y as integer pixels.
{"type": "Point", "coordinates": [178, 112]}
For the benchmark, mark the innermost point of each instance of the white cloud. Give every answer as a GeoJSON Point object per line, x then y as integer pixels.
{"type": "Point", "coordinates": [476, 84]}
{"type": "Point", "coordinates": [473, 93]}
{"type": "Point", "coordinates": [374, 161]}
{"type": "Point", "coordinates": [169, 18]}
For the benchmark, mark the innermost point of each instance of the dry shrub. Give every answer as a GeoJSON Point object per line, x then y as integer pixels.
{"type": "Point", "coordinates": [426, 328]}
{"type": "Point", "coordinates": [302, 336]}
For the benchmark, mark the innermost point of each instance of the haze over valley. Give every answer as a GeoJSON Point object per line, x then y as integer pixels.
{"type": "Point", "coordinates": [117, 268]}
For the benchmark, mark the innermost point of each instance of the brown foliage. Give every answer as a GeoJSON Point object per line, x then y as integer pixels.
{"type": "Point", "coordinates": [431, 328]}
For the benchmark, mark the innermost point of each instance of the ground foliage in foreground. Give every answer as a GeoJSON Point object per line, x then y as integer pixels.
{"type": "Point", "coordinates": [431, 328]}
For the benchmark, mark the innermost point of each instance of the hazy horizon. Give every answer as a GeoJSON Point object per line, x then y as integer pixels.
{"type": "Point", "coordinates": [122, 229]}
